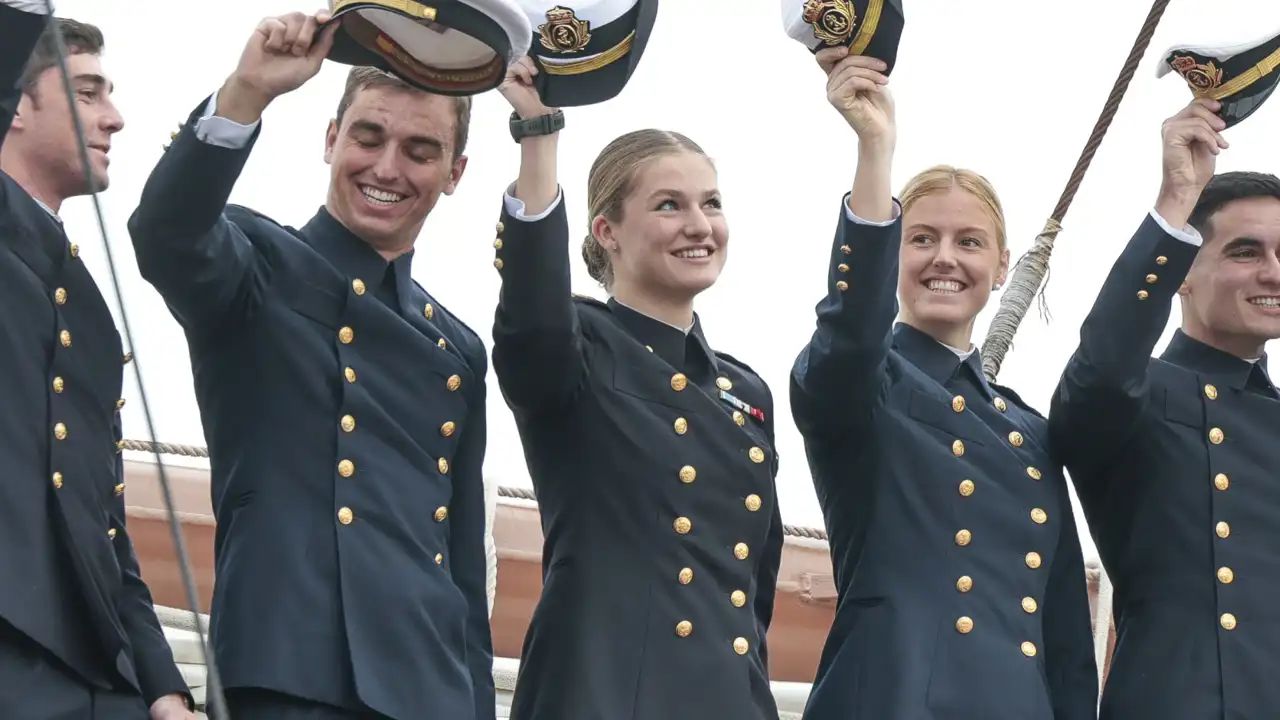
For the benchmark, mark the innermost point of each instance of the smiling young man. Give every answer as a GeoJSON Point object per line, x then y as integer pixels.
{"type": "Point", "coordinates": [1175, 458]}
{"type": "Point", "coordinates": [79, 636]}
{"type": "Point", "coordinates": [344, 408]}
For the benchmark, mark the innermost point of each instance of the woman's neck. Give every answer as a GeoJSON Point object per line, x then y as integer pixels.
{"type": "Point", "coordinates": [956, 337]}
{"type": "Point", "coordinates": [677, 313]}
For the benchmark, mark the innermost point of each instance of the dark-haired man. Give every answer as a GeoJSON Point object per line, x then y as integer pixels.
{"type": "Point", "coordinates": [343, 406]}
{"type": "Point", "coordinates": [1176, 460]}
{"type": "Point", "coordinates": [79, 638]}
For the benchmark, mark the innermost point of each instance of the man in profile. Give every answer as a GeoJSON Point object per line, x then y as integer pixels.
{"type": "Point", "coordinates": [79, 636]}
{"type": "Point", "coordinates": [343, 406]}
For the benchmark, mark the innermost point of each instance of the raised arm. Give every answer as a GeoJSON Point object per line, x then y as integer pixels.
{"type": "Point", "coordinates": [467, 562]}
{"type": "Point", "coordinates": [538, 349]}
{"type": "Point", "coordinates": [1070, 665]}
{"type": "Point", "coordinates": [838, 376]}
{"type": "Point", "coordinates": [1103, 390]}
{"type": "Point", "coordinates": [201, 263]}
{"type": "Point", "coordinates": [21, 22]}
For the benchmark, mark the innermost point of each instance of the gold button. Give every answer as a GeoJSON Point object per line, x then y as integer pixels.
{"type": "Point", "coordinates": [345, 516]}
{"type": "Point", "coordinates": [1038, 516]}
{"type": "Point", "coordinates": [1142, 295]}
{"type": "Point", "coordinates": [350, 374]}
{"type": "Point", "coordinates": [442, 512]}
{"type": "Point", "coordinates": [65, 338]}
{"type": "Point", "coordinates": [1221, 481]}
{"type": "Point", "coordinates": [439, 558]}
{"type": "Point", "coordinates": [1000, 405]}
{"type": "Point", "coordinates": [120, 403]}
{"type": "Point", "coordinates": [842, 268]}
{"type": "Point", "coordinates": [119, 489]}
{"type": "Point", "coordinates": [358, 286]}
{"type": "Point", "coordinates": [966, 487]}
{"type": "Point", "coordinates": [128, 357]}
{"type": "Point", "coordinates": [684, 628]}
{"type": "Point", "coordinates": [346, 468]}
{"type": "Point", "coordinates": [740, 645]}
{"type": "Point", "coordinates": [57, 480]}
{"type": "Point", "coordinates": [442, 343]}
{"type": "Point", "coordinates": [741, 551]}
{"type": "Point", "coordinates": [739, 418]}
{"type": "Point", "coordinates": [1015, 438]}
{"type": "Point", "coordinates": [1033, 473]}
{"type": "Point", "coordinates": [846, 249]}
{"type": "Point", "coordinates": [1215, 436]}
{"type": "Point", "coordinates": [688, 474]}
{"type": "Point", "coordinates": [964, 625]}
{"type": "Point", "coordinates": [681, 426]}
{"type": "Point", "coordinates": [753, 502]}
{"type": "Point", "coordinates": [1029, 649]}
{"type": "Point", "coordinates": [679, 382]}
{"type": "Point", "coordinates": [1226, 575]}
{"type": "Point", "coordinates": [497, 263]}
{"type": "Point", "coordinates": [683, 525]}
{"type": "Point", "coordinates": [756, 455]}
{"type": "Point", "coordinates": [1223, 529]}
{"type": "Point", "coordinates": [957, 448]}
{"type": "Point", "coordinates": [963, 538]}
{"type": "Point", "coordinates": [58, 384]}
{"type": "Point", "coordinates": [738, 598]}
{"type": "Point", "coordinates": [1228, 621]}
{"type": "Point", "coordinates": [957, 403]}
{"type": "Point", "coordinates": [1151, 279]}
{"type": "Point", "coordinates": [1211, 392]}
{"type": "Point", "coordinates": [1033, 560]}
{"type": "Point", "coordinates": [454, 383]}
{"type": "Point", "coordinates": [499, 227]}
{"type": "Point", "coordinates": [686, 576]}
{"type": "Point", "coordinates": [497, 243]}
{"type": "Point", "coordinates": [842, 286]}
{"type": "Point", "coordinates": [1162, 260]}
{"type": "Point", "coordinates": [448, 428]}
{"type": "Point", "coordinates": [111, 533]}
{"type": "Point", "coordinates": [60, 296]}
{"type": "Point", "coordinates": [1029, 605]}
{"type": "Point", "coordinates": [348, 423]}
{"type": "Point", "coordinates": [60, 431]}
{"type": "Point", "coordinates": [75, 250]}
{"type": "Point", "coordinates": [724, 383]}
{"type": "Point", "coordinates": [428, 312]}
{"type": "Point", "coordinates": [443, 466]}
{"type": "Point", "coordinates": [346, 335]}
{"type": "Point", "coordinates": [964, 584]}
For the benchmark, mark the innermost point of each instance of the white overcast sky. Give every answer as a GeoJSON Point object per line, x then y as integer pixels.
{"type": "Point", "coordinates": [1006, 87]}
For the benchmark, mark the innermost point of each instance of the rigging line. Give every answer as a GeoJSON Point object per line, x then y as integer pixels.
{"type": "Point", "coordinates": [213, 688]}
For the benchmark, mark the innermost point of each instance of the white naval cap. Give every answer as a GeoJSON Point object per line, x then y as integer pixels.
{"type": "Point", "coordinates": [1240, 76]}
{"type": "Point", "coordinates": [867, 27]}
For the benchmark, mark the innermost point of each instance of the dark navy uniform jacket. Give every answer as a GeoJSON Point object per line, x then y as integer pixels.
{"type": "Point", "coordinates": [1177, 464]}
{"type": "Point", "coordinates": [962, 591]}
{"type": "Point", "coordinates": [69, 580]}
{"type": "Point", "coordinates": [653, 460]}
{"type": "Point", "coordinates": [344, 410]}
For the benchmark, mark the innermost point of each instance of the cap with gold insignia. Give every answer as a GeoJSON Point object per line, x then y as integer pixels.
{"type": "Point", "coordinates": [867, 27]}
{"type": "Point", "coordinates": [1241, 77]}
{"type": "Point", "coordinates": [587, 50]}
{"type": "Point", "coordinates": [446, 47]}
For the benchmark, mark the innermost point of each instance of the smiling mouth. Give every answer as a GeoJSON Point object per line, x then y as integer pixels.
{"type": "Point", "coordinates": [945, 287]}
{"type": "Point", "coordinates": [380, 198]}
{"type": "Point", "coordinates": [1270, 302]}
{"type": "Point", "coordinates": [698, 253]}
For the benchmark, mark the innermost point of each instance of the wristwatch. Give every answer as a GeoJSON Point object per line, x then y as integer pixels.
{"type": "Point", "coordinates": [533, 127]}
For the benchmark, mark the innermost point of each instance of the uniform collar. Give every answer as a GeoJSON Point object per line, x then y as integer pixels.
{"type": "Point", "coordinates": [938, 361]}
{"type": "Point", "coordinates": [1227, 369]}
{"type": "Point", "coordinates": [667, 342]}
{"type": "Point", "coordinates": [352, 256]}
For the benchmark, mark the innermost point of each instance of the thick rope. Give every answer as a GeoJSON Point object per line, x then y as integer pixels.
{"type": "Point", "coordinates": [514, 493]}
{"type": "Point", "coordinates": [1030, 271]}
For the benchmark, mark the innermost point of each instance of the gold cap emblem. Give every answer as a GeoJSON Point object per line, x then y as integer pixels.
{"type": "Point", "coordinates": [563, 32]}
{"type": "Point", "coordinates": [832, 20]}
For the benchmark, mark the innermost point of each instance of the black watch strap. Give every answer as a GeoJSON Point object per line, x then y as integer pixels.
{"type": "Point", "coordinates": [533, 127]}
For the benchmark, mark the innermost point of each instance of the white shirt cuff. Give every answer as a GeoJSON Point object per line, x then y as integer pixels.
{"type": "Point", "coordinates": [1189, 235]}
{"type": "Point", "coordinates": [515, 206]}
{"type": "Point", "coordinates": [35, 7]}
{"type": "Point", "coordinates": [220, 131]}
{"type": "Point", "coordinates": [897, 212]}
